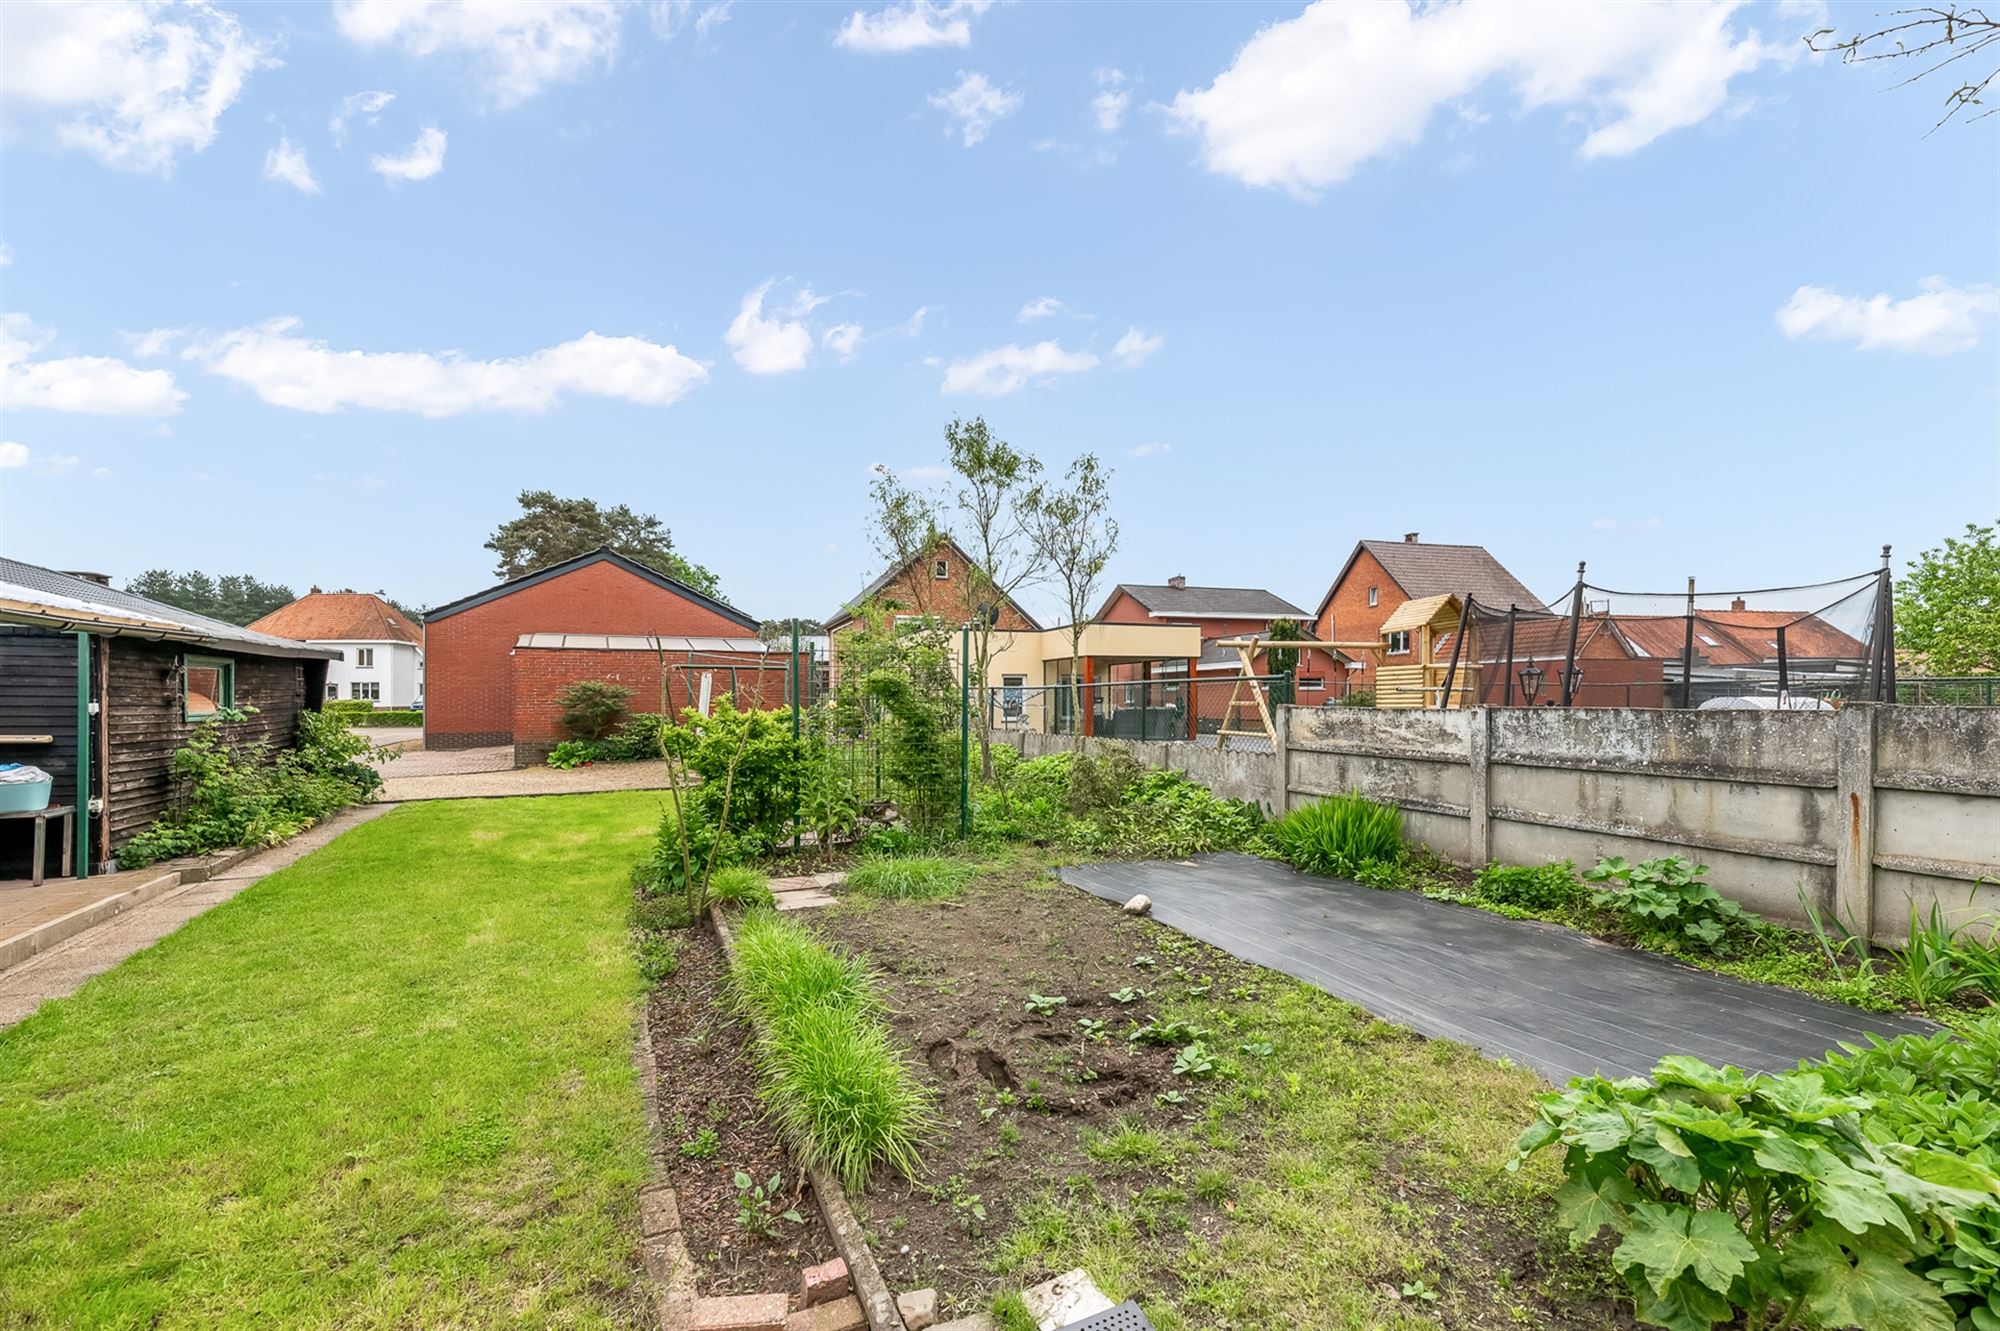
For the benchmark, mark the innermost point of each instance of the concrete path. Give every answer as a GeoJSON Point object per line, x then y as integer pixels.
{"type": "Point", "coordinates": [1557, 1001]}
{"type": "Point", "coordinates": [62, 969]}
{"type": "Point", "coordinates": [422, 782]}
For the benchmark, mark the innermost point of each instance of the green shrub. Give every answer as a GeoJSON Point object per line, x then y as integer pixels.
{"type": "Point", "coordinates": [590, 707]}
{"type": "Point", "coordinates": [909, 878]}
{"type": "Point", "coordinates": [1549, 887]}
{"type": "Point", "coordinates": [636, 739]}
{"type": "Point", "coordinates": [659, 956]}
{"type": "Point", "coordinates": [1859, 1191]}
{"type": "Point", "coordinates": [572, 753]}
{"type": "Point", "coordinates": [229, 792]}
{"type": "Point", "coordinates": [651, 913]}
{"type": "Point", "coordinates": [739, 885]}
{"type": "Point", "coordinates": [889, 841]}
{"type": "Point", "coordinates": [841, 1095]}
{"type": "Point", "coordinates": [1340, 835]}
{"type": "Point", "coordinates": [1165, 815]}
{"type": "Point", "coordinates": [1666, 901]}
{"type": "Point", "coordinates": [1106, 803]}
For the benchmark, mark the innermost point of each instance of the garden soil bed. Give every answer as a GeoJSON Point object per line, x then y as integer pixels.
{"type": "Point", "coordinates": [957, 975]}
{"type": "Point", "coordinates": [707, 1082]}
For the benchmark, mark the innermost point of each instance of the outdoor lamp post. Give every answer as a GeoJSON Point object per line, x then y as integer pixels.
{"type": "Point", "coordinates": [1575, 676]}
{"type": "Point", "coordinates": [1531, 681]}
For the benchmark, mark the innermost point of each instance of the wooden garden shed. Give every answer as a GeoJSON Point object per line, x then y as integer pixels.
{"type": "Point", "coordinates": [99, 688]}
{"type": "Point", "coordinates": [1410, 671]}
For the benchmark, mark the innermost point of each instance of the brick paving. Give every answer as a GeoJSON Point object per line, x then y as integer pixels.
{"type": "Point", "coordinates": [403, 783]}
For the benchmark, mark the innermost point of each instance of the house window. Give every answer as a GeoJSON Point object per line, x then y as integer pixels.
{"type": "Point", "coordinates": [364, 658]}
{"type": "Point", "coordinates": [1374, 595]}
{"type": "Point", "coordinates": [940, 569]}
{"type": "Point", "coordinates": [368, 689]}
{"type": "Point", "coordinates": [1311, 683]}
{"type": "Point", "coordinates": [333, 691]}
{"type": "Point", "coordinates": [208, 684]}
{"type": "Point", "coordinates": [1399, 643]}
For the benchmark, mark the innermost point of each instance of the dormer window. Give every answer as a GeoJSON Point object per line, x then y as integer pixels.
{"type": "Point", "coordinates": [940, 569]}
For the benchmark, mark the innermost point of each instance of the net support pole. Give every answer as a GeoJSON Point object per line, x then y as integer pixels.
{"type": "Point", "coordinates": [965, 732]}
{"type": "Point", "coordinates": [1575, 623]}
{"type": "Point", "coordinates": [1457, 646]}
{"type": "Point", "coordinates": [1886, 600]}
{"type": "Point", "coordinates": [798, 691]}
{"type": "Point", "coordinates": [1507, 699]}
{"type": "Point", "coordinates": [1687, 653]}
{"type": "Point", "coordinates": [1784, 672]}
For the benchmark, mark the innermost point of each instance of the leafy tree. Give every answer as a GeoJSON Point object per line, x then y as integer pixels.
{"type": "Point", "coordinates": [1948, 606]}
{"type": "Point", "coordinates": [552, 529]}
{"type": "Point", "coordinates": [905, 528]}
{"type": "Point", "coordinates": [1283, 661]}
{"type": "Point", "coordinates": [994, 482]}
{"type": "Point", "coordinates": [1927, 39]}
{"type": "Point", "coordinates": [1073, 534]}
{"type": "Point", "coordinates": [234, 598]}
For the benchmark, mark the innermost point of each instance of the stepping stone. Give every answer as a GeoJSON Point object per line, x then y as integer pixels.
{"type": "Point", "coordinates": [802, 900]}
{"type": "Point", "coordinates": [741, 1312]}
{"type": "Point", "coordinates": [1070, 1297]}
{"type": "Point", "coordinates": [919, 1308]}
{"type": "Point", "coordinates": [842, 1315]}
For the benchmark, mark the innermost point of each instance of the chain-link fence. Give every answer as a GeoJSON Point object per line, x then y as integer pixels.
{"type": "Point", "coordinates": [1152, 709]}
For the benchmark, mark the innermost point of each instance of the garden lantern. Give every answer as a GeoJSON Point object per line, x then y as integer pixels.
{"type": "Point", "coordinates": [1531, 681]}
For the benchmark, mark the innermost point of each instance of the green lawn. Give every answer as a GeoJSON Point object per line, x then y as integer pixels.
{"type": "Point", "coordinates": [391, 1085]}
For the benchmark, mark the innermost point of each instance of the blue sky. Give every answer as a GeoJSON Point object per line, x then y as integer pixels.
{"type": "Point", "coordinates": [1649, 287]}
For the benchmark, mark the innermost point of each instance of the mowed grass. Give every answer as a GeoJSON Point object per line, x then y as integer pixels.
{"type": "Point", "coordinates": [389, 1086]}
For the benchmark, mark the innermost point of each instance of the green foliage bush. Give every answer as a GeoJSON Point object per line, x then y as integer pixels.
{"type": "Point", "coordinates": [572, 753]}
{"type": "Point", "coordinates": [362, 712]}
{"type": "Point", "coordinates": [739, 885]}
{"type": "Point", "coordinates": [1341, 835]}
{"type": "Point", "coordinates": [591, 707]}
{"type": "Point", "coordinates": [1107, 803]}
{"type": "Point", "coordinates": [1666, 901]}
{"type": "Point", "coordinates": [636, 739]}
{"type": "Point", "coordinates": [1550, 887]}
{"type": "Point", "coordinates": [233, 793]}
{"type": "Point", "coordinates": [840, 1093]}
{"type": "Point", "coordinates": [1862, 1190]}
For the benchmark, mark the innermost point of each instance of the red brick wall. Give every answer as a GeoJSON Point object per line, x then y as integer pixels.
{"type": "Point", "coordinates": [468, 671]}
{"type": "Point", "coordinates": [916, 591]}
{"type": "Point", "coordinates": [1349, 618]}
{"type": "Point", "coordinates": [540, 674]}
{"type": "Point", "coordinates": [1124, 610]}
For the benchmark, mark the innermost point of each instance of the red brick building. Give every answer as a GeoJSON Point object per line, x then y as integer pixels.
{"type": "Point", "coordinates": [936, 586]}
{"type": "Point", "coordinates": [1381, 575]}
{"type": "Point", "coordinates": [1222, 613]}
{"type": "Point", "coordinates": [489, 682]}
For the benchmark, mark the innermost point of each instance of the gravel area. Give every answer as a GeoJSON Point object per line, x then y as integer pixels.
{"type": "Point", "coordinates": [403, 783]}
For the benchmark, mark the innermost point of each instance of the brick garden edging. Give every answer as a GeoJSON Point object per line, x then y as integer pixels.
{"type": "Point", "coordinates": [877, 1302]}
{"type": "Point", "coordinates": [661, 1243]}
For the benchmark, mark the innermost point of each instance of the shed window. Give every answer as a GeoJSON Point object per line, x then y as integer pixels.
{"type": "Point", "coordinates": [364, 658]}
{"type": "Point", "coordinates": [1374, 595]}
{"type": "Point", "coordinates": [208, 685]}
{"type": "Point", "coordinates": [1399, 643]}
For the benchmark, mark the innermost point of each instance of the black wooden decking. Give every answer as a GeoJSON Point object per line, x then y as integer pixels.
{"type": "Point", "coordinates": [1554, 1000]}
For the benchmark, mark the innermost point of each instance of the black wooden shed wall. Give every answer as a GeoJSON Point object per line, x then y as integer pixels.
{"type": "Point", "coordinates": [37, 697]}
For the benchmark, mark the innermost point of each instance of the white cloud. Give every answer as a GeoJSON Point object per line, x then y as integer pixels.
{"type": "Point", "coordinates": [1940, 320]}
{"type": "Point", "coordinates": [974, 105]}
{"type": "Point", "coordinates": [12, 455]}
{"type": "Point", "coordinates": [1308, 100]}
{"type": "Point", "coordinates": [289, 370]}
{"type": "Point", "coordinates": [671, 17]}
{"type": "Point", "coordinates": [769, 345]}
{"type": "Point", "coordinates": [424, 159]}
{"type": "Point", "coordinates": [156, 342]}
{"type": "Point", "coordinates": [1110, 104]}
{"type": "Point", "coordinates": [915, 323]}
{"type": "Point", "coordinates": [842, 339]}
{"type": "Point", "coordinates": [1603, 524]}
{"type": "Point", "coordinates": [1153, 449]}
{"type": "Point", "coordinates": [1136, 348]}
{"type": "Point", "coordinates": [95, 385]}
{"type": "Point", "coordinates": [369, 104]}
{"type": "Point", "coordinates": [287, 163]}
{"type": "Point", "coordinates": [135, 85]}
{"type": "Point", "coordinates": [1040, 308]}
{"type": "Point", "coordinates": [100, 473]}
{"type": "Point", "coordinates": [1010, 368]}
{"type": "Point", "coordinates": [6, 255]}
{"type": "Point", "coordinates": [518, 48]}
{"type": "Point", "coordinates": [911, 26]}
{"type": "Point", "coordinates": [58, 464]}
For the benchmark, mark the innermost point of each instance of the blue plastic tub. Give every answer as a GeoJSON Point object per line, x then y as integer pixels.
{"type": "Point", "coordinates": [25, 796]}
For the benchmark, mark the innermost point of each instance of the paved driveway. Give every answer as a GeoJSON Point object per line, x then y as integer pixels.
{"type": "Point", "coordinates": [1557, 1001]}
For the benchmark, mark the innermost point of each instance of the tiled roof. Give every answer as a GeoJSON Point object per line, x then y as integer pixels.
{"type": "Point", "coordinates": [340, 617]}
{"type": "Point", "coordinates": [604, 554]}
{"type": "Point", "coordinates": [1427, 568]}
{"type": "Point", "coordinates": [45, 596]}
{"type": "Point", "coordinates": [1167, 601]}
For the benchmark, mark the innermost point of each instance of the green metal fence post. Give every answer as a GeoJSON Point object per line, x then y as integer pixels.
{"type": "Point", "coordinates": [82, 816]}
{"type": "Point", "coordinates": [797, 688]}
{"type": "Point", "coordinates": [965, 732]}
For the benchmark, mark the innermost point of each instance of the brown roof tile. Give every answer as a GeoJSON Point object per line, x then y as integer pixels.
{"type": "Point", "coordinates": [340, 617]}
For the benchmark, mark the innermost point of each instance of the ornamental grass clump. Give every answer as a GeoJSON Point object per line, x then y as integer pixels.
{"type": "Point", "coordinates": [739, 885]}
{"type": "Point", "coordinates": [909, 877]}
{"type": "Point", "coordinates": [1342, 835]}
{"type": "Point", "coordinates": [842, 1096]}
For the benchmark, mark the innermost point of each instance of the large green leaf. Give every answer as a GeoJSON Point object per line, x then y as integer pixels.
{"type": "Point", "coordinates": [1588, 1206]}
{"type": "Point", "coordinates": [1600, 1130]}
{"type": "Point", "coordinates": [1685, 1305]}
{"type": "Point", "coordinates": [1669, 1240]}
{"type": "Point", "coordinates": [1868, 1288]}
{"type": "Point", "coordinates": [1668, 1157]}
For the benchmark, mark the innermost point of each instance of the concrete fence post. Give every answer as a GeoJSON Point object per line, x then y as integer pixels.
{"type": "Point", "coordinates": [1479, 835]}
{"type": "Point", "coordinates": [1854, 792]}
{"type": "Point", "coordinates": [1281, 766]}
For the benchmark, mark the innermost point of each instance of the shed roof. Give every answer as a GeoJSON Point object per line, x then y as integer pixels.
{"type": "Point", "coordinates": [1166, 601]}
{"type": "Point", "coordinates": [625, 642]}
{"type": "Point", "coordinates": [604, 554]}
{"type": "Point", "coordinates": [340, 617]}
{"type": "Point", "coordinates": [44, 597]}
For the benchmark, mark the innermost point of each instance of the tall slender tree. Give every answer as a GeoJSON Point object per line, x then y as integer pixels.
{"type": "Point", "coordinates": [1073, 535]}
{"type": "Point", "coordinates": [994, 479]}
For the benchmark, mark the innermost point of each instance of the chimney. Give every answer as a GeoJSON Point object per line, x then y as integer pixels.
{"type": "Point", "coordinates": [1178, 582]}
{"type": "Point", "coordinates": [313, 590]}
{"type": "Point", "coordinates": [1409, 538]}
{"type": "Point", "coordinates": [1736, 604]}
{"type": "Point", "coordinates": [101, 579]}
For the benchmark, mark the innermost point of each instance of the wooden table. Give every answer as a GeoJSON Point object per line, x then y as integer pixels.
{"type": "Point", "coordinates": [41, 817]}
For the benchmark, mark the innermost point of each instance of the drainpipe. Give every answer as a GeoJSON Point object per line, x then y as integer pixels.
{"type": "Point", "coordinates": [82, 817]}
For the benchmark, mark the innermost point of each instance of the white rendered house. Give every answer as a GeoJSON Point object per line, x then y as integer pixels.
{"type": "Point", "coordinates": [381, 649]}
